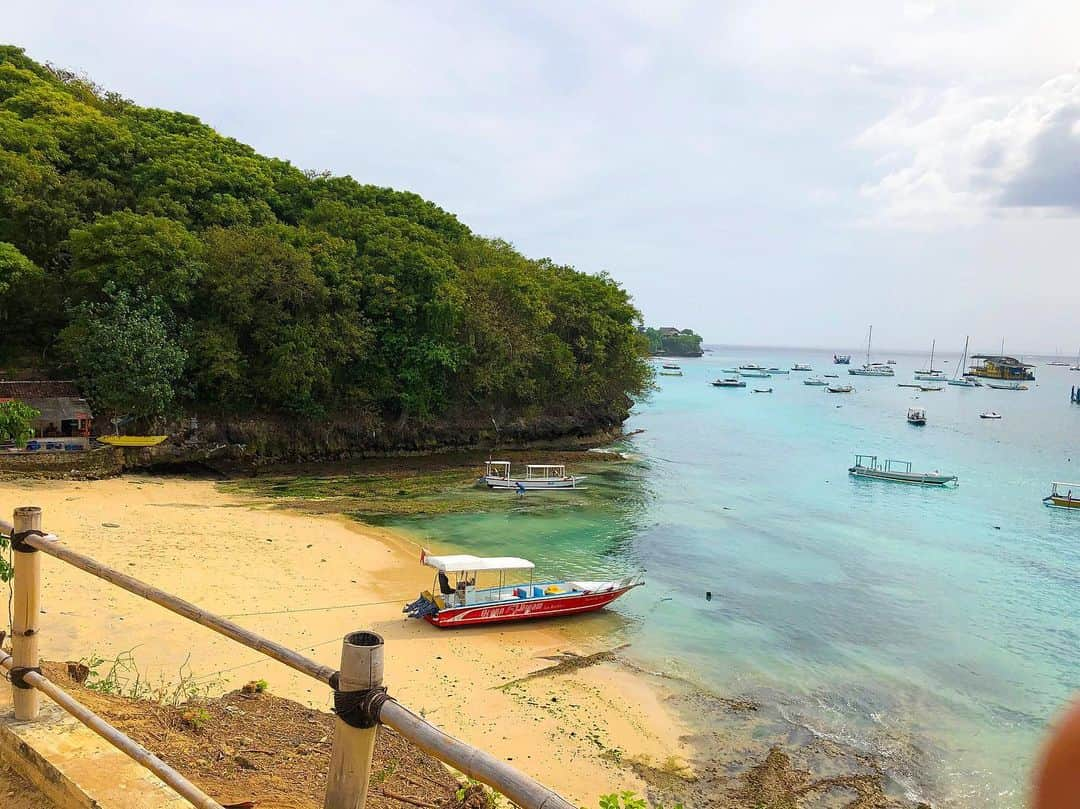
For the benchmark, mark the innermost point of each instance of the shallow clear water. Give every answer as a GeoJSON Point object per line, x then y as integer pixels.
{"type": "Point", "coordinates": [936, 628]}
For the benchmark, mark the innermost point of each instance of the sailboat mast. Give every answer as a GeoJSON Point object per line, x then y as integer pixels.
{"type": "Point", "coordinates": [933, 344]}
{"type": "Point", "coordinates": [869, 337]}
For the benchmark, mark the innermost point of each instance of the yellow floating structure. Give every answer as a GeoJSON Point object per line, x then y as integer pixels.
{"type": "Point", "coordinates": [132, 440]}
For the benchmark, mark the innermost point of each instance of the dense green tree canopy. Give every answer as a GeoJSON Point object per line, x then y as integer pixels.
{"type": "Point", "coordinates": [173, 269]}
{"type": "Point", "coordinates": [684, 343]}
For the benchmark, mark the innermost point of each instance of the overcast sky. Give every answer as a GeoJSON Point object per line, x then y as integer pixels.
{"type": "Point", "coordinates": [766, 172]}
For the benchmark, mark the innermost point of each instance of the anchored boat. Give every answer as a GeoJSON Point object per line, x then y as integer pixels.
{"type": "Point", "coordinates": [840, 389]}
{"type": "Point", "coordinates": [916, 415]}
{"type": "Point", "coordinates": [1067, 500]}
{"type": "Point", "coordinates": [728, 383]}
{"type": "Point", "coordinates": [755, 374]}
{"type": "Point", "coordinates": [1005, 385]}
{"type": "Point", "coordinates": [868, 466]}
{"type": "Point", "coordinates": [930, 373]}
{"type": "Point", "coordinates": [537, 476]}
{"type": "Point", "coordinates": [990, 414]}
{"type": "Point", "coordinates": [872, 368]}
{"type": "Point", "coordinates": [801, 366]}
{"type": "Point", "coordinates": [815, 381]}
{"type": "Point", "coordinates": [841, 359]}
{"type": "Point", "coordinates": [462, 603]}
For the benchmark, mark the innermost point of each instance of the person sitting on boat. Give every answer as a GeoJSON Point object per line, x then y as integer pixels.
{"type": "Point", "coordinates": [444, 585]}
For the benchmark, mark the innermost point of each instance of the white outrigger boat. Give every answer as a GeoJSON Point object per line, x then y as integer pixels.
{"type": "Point", "coordinates": [537, 476]}
{"type": "Point", "coordinates": [868, 466]}
{"type": "Point", "coordinates": [1067, 500]}
{"type": "Point", "coordinates": [463, 603]}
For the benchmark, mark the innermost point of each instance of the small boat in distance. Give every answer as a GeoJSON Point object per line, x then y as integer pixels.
{"type": "Point", "coordinates": [840, 389]}
{"type": "Point", "coordinates": [1067, 500]}
{"type": "Point", "coordinates": [890, 362]}
{"type": "Point", "coordinates": [537, 476]}
{"type": "Point", "coordinates": [930, 373]}
{"type": "Point", "coordinates": [762, 390]}
{"type": "Point", "coordinates": [751, 367]}
{"type": "Point", "coordinates": [815, 381]}
{"type": "Point", "coordinates": [132, 440]}
{"type": "Point", "coordinates": [990, 414]}
{"type": "Point", "coordinates": [872, 368]}
{"type": "Point", "coordinates": [831, 376]}
{"type": "Point", "coordinates": [868, 466]}
{"type": "Point", "coordinates": [801, 366]}
{"type": "Point", "coordinates": [963, 381]}
{"type": "Point", "coordinates": [510, 598]}
{"type": "Point", "coordinates": [728, 383]}
{"type": "Point", "coordinates": [1005, 385]}
{"type": "Point", "coordinates": [841, 359]}
{"type": "Point", "coordinates": [669, 372]}
{"type": "Point", "coordinates": [930, 388]}
{"type": "Point", "coordinates": [672, 366]}
{"type": "Point", "coordinates": [755, 374]}
{"type": "Point", "coordinates": [778, 371]}
{"type": "Point", "coordinates": [916, 415]}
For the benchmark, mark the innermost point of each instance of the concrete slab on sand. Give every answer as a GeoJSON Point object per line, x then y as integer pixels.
{"type": "Point", "coordinates": [73, 766]}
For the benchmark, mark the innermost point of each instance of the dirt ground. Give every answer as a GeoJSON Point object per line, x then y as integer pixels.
{"type": "Point", "coordinates": [17, 793]}
{"type": "Point", "coordinates": [257, 749]}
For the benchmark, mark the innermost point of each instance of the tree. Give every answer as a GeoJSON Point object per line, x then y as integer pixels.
{"type": "Point", "coordinates": [124, 355]}
{"type": "Point", "coordinates": [16, 422]}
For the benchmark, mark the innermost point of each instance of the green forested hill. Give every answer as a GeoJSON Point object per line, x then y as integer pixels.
{"type": "Point", "coordinates": [171, 269]}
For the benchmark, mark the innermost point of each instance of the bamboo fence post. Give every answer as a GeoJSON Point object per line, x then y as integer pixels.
{"type": "Point", "coordinates": [350, 759]}
{"type": "Point", "coordinates": [26, 608]}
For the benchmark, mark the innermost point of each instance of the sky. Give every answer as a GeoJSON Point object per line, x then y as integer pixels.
{"type": "Point", "coordinates": [766, 172]}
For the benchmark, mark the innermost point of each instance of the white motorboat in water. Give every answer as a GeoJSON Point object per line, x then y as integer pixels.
{"type": "Point", "coordinates": [762, 390]}
{"type": "Point", "coordinates": [990, 414]}
{"type": "Point", "coordinates": [868, 466]}
{"type": "Point", "coordinates": [755, 374]}
{"type": "Point", "coordinates": [730, 382]}
{"type": "Point", "coordinates": [840, 389]}
{"type": "Point", "coordinates": [537, 476]}
{"type": "Point", "coordinates": [815, 381]}
{"type": "Point", "coordinates": [916, 416]}
{"type": "Point", "coordinates": [801, 366]}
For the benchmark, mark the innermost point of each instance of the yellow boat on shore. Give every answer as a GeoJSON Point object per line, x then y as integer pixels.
{"type": "Point", "coordinates": [132, 440]}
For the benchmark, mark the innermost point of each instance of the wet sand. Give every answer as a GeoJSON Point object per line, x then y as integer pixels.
{"type": "Point", "coordinates": [585, 731]}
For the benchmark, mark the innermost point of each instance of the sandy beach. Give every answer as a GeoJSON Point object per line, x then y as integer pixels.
{"type": "Point", "coordinates": [578, 730]}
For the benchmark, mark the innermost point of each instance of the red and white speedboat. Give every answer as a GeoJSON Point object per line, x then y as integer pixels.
{"type": "Point", "coordinates": [461, 603]}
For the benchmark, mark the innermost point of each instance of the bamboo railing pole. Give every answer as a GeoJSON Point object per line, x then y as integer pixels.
{"type": "Point", "coordinates": [26, 610]}
{"type": "Point", "coordinates": [306, 665]}
{"type": "Point", "coordinates": [521, 790]}
{"type": "Point", "coordinates": [350, 758]}
{"type": "Point", "coordinates": [187, 790]}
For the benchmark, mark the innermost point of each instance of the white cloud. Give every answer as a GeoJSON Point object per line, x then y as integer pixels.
{"type": "Point", "coordinates": [951, 157]}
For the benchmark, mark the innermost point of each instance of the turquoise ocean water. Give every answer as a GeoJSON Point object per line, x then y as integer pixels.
{"type": "Point", "coordinates": [937, 629]}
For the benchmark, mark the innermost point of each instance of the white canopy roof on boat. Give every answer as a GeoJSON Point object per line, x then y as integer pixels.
{"type": "Point", "coordinates": [461, 563]}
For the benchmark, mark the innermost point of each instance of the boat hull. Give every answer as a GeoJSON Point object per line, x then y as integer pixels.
{"type": "Point", "coordinates": [523, 610]}
{"type": "Point", "coordinates": [916, 478]}
{"type": "Point", "coordinates": [533, 484]}
{"type": "Point", "coordinates": [1062, 502]}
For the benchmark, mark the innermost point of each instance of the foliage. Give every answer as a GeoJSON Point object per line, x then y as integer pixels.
{"type": "Point", "coordinates": [683, 344]}
{"type": "Point", "coordinates": [270, 290]}
{"type": "Point", "coordinates": [16, 420]}
{"type": "Point", "coordinates": [627, 800]}
{"type": "Point", "coordinates": [123, 354]}
{"type": "Point", "coordinates": [120, 676]}
{"type": "Point", "coordinates": [7, 572]}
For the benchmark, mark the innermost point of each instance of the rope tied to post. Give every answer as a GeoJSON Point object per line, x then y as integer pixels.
{"type": "Point", "coordinates": [19, 543]}
{"type": "Point", "coordinates": [18, 674]}
{"type": "Point", "coordinates": [360, 709]}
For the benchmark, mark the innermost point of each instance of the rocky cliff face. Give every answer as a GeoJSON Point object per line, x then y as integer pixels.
{"type": "Point", "coordinates": [225, 442]}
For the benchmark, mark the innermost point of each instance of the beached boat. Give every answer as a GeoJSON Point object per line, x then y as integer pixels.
{"type": "Point", "coordinates": [841, 359]}
{"type": "Point", "coordinates": [872, 368]}
{"type": "Point", "coordinates": [801, 366]}
{"type": "Point", "coordinates": [868, 466]}
{"type": "Point", "coordinates": [510, 597]}
{"type": "Point", "coordinates": [537, 476]}
{"type": "Point", "coordinates": [815, 381]}
{"type": "Point", "coordinates": [755, 374]}
{"type": "Point", "coordinates": [840, 389]}
{"type": "Point", "coordinates": [990, 414]}
{"type": "Point", "coordinates": [728, 383]}
{"type": "Point", "coordinates": [132, 440]}
{"type": "Point", "coordinates": [916, 416]}
{"type": "Point", "coordinates": [1005, 385]}
{"type": "Point", "coordinates": [762, 390]}
{"type": "Point", "coordinates": [1067, 500]}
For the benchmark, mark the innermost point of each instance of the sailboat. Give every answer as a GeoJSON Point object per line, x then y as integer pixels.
{"type": "Point", "coordinates": [871, 368]}
{"type": "Point", "coordinates": [1077, 366]}
{"type": "Point", "coordinates": [959, 381]}
{"type": "Point", "coordinates": [930, 373]}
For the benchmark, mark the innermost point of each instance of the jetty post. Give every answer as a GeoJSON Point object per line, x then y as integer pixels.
{"type": "Point", "coordinates": [359, 684]}
{"type": "Point", "coordinates": [26, 609]}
